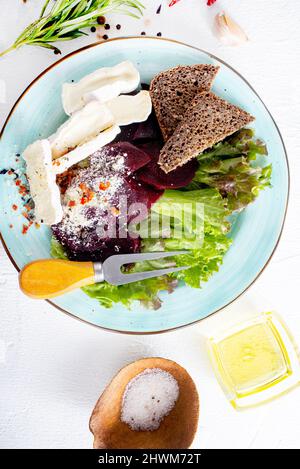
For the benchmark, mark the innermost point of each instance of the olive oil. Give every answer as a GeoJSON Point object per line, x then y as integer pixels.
{"type": "Point", "coordinates": [255, 361]}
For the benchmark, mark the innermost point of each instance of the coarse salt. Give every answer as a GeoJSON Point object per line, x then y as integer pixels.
{"type": "Point", "coordinates": [148, 398]}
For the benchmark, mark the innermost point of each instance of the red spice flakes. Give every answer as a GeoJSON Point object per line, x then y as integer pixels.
{"type": "Point", "coordinates": [173, 2]}
{"type": "Point", "coordinates": [25, 229]}
{"type": "Point", "coordinates": [9, 172]}
{"type": "Point", "coordinates": [210, 2]}
{"type": "Point", "coordinates": [11, 226]}
{"type": "Point", "coordinates": [14, 207]}
{"type": "Point", "coordinates": [88, 194]}
{"type": "Point", "coordinates": [104, 185]}
{"type": "Point", "coordinates": [72, 203]}
{"type": "Point", "coordinates": [56, 163]}
{"type": "Point", "coordinates": [25, 215]}
{"type": "Point", "coordinates": [37, 225]}
{"type": "Point", "coordinates": [23, 190]}
{"type": "Point", "coordinates": [18, 182]}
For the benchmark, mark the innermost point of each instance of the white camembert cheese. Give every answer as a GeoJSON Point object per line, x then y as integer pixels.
{"type": "Point", "coordinates": [102, 85]}
{"type": "Point", "coordinates": [128, 109]}
{"type": "Point", "coordinates": [81, 152]}
{"type": "Point", "coordinates": [42, 182]}
{"type": "Point", "coordinates": [84, 125]}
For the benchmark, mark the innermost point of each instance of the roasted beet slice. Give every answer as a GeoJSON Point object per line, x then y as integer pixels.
{"type": "Point", "coordinates": [152, 174]}
{"type": "Point", "coordinates": [148, 130]}
{"type": "Point", "coordinates": [142, 193]}
{"type": "Point", "coordinates": [98, 249]}
{"type": "Point", "coordinates": [140, 132]}
{"type": "Point", "coordinates": [127, 133]}
{"type": "Point", "coordinates": [134, 157]}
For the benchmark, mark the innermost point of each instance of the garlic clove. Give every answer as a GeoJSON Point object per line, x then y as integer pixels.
{"type": "Point", "coordinates": [228, 31]}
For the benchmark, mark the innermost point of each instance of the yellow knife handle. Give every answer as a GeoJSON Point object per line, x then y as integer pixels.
{"type": "Point", "coordinates": [52, 277]}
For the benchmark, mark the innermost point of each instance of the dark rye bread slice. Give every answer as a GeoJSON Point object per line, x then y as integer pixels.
{"type": "Point", "coordinates": [208, 121]}
{"type": "Point", "coordinates": [172, 92]}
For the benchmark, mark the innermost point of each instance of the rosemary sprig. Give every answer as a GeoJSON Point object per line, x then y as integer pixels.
{"type": "Point", "coordinates": [66, 19]}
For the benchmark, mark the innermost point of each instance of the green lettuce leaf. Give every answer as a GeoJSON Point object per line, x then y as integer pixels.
{"type": "Point", "coordinates": [233, 168]}
{"type": "Point", "coordinates": [56, 249]}
{"type": "Point", "coordinates": [146, 292]}
{"type": "Point", "coordinates": [206, 242]}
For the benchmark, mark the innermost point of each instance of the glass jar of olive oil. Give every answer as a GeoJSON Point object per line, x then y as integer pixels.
{"type": "Point", "coordinates": [256, 360]}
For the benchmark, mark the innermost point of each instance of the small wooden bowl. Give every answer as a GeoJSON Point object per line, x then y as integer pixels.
{"type": "Point", "coordinates": [176, 430]}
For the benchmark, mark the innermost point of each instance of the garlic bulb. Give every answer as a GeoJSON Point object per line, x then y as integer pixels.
{"type": "Point", "coordinates": [228, 31]}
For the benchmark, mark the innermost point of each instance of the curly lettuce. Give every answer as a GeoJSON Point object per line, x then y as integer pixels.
{"type": "Point", "coordinates": [234, 169]}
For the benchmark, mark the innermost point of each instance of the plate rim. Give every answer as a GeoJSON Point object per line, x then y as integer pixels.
{"type": "Point", "coordinates": [143, 38]}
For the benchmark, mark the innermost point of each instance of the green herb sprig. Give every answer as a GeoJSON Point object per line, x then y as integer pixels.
{"type": "Point", "coordinates": [66, 19]}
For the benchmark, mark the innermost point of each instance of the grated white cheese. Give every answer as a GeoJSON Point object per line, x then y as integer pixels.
{"type": "Point", "coordinates": [101, 171]}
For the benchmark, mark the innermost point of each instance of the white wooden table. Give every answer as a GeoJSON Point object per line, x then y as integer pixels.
{"type": "Point", "coordinates": [52, 367]}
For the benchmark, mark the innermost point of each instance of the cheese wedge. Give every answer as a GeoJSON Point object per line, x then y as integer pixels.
{"type": "Point", "coordinates": [42, 181]}
{"type": "Point", "coordinates": [102, 85]}
{"type": "Point", "coordinates": [60, 165]}
{"type": "Point", "coordinates": [83, 126]}
{"type": "Point", "coordinates": [128, 109]}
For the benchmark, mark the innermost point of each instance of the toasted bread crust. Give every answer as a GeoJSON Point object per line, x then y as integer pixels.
{"type": "Point", "coordinates": [172, 92]}
{"type": "Point", "coordinates": [208, 120]}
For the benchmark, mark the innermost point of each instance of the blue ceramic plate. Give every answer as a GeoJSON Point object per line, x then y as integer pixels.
{"type": "Point", "coordinates": [256, 232]}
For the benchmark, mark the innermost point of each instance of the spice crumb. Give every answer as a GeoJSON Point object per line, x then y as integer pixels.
{"type": "Point", "coordinates": [107, 26]}
{"type": "Point", "coordinates": [14, 207]}
{"type": "Point", "coordinates": [118, 26]}
{"type": "Point", "coordinates": [158, 9]}
{"type": "Point", "coordinates": [105, 37]}
{"type": "Point", "coordinates": [101, 20]}
{"type": "Point", "coordinates": [159, 34]}
{"type": "Point", "coordinates": [93, 29]}
{"type": "Point", "coordinates": [143, 33]}
{"type": "Point", "coordinates": [25, 229]}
